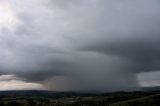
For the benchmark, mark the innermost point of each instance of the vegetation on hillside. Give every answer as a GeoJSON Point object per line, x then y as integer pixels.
{"type": "Point", "coordinates": [42, 98]}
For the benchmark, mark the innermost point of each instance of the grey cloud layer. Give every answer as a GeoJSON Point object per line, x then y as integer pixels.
{"type": "Point", "coordinates": [97, 44]}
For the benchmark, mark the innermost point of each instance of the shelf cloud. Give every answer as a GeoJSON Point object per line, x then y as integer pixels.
{"type": "Point", "coordinates": [81, 45]}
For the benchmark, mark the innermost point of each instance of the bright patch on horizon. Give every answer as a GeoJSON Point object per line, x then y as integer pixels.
{"type": "Point", "coordinates": [148, 79]}
{"type": "Point", "coordinates": [12, 82]}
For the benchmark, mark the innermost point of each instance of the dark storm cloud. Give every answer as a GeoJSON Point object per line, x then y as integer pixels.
{"type": "Point", "coordinates": [95, 45]}
{"type": "Point", "coordinates": [133, 33]}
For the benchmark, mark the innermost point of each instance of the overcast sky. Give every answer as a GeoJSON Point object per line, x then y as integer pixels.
{"type": "Point", "coordinates": [79, 45]}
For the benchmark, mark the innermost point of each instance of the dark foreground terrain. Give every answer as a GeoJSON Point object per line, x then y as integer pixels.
{"type": "Point", "coordinates": [47, 98]}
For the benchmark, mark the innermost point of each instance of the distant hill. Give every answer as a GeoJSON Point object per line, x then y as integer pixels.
{"type": "Point", "coordinates": [156, 88]}
{"type": "Point", "coordinates": [41, 93]}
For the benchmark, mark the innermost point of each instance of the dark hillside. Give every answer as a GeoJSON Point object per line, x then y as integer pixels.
{"type": "Point", "coordinates": [50, 98]}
